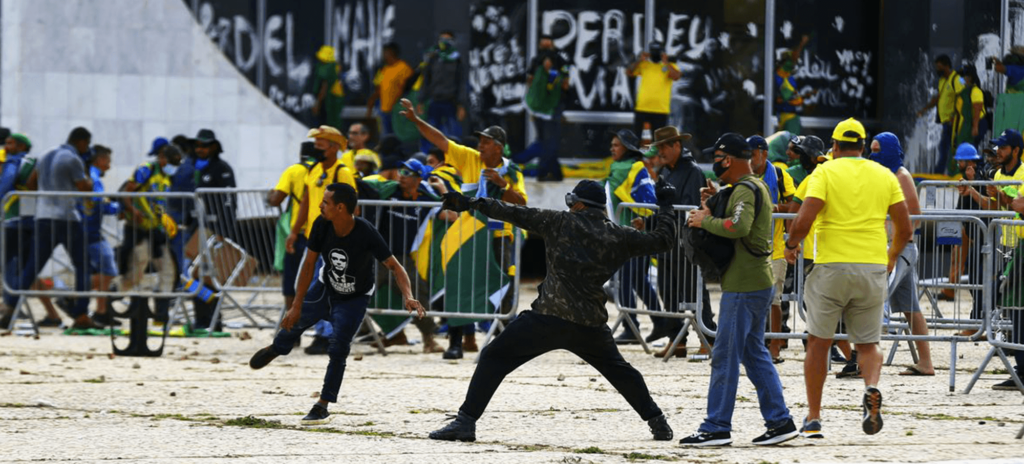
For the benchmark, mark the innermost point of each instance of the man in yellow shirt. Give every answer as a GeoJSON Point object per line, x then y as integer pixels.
{"type": "Point", "coordinates": [291, 186]}
{"type": "Point", "coordinates": [950, 86]}
{"type": "Point", "coordinates": [327, 142]}
{"type": "Point", "coordinates": [485, 173]}
{"type": "Point", "coordinates": [654, 97]}
{"type": "Point", "coordinates": [850, 197]}
{"type": "Point", "coordinates": [389, 84]}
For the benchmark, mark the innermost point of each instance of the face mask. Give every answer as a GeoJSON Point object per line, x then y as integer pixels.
{"type": "Point", "coordinates": [318, 154]}
{"type": "Point", "coordinates": [170, 169]}
{"type": "Point", "coordinates": [718, 169]}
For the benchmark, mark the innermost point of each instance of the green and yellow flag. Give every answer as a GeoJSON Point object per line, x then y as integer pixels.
{"type": "Point", "coordinates": [474, 280]}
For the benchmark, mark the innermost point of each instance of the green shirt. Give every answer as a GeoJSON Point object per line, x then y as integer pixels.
{"type": "Point", "coordinates": [746, 273]}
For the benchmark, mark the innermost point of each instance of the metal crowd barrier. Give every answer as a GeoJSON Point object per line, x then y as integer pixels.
{"type": "Point", "coordinates": [137, 262]}
{"type": "Point", "coordinates": [1004, 312]}
{"type": "Point", "coordinates": [462, 268]}
{"type": "Point", "coordinates": [668, 285]}
{"type": "Point", "coordinates": [944, 195]}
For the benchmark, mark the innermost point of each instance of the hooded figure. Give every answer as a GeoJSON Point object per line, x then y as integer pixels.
{"type": "Point", "coordinates": [891, 154]}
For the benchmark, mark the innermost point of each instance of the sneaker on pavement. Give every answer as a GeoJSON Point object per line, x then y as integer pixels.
{"type": "Point", "coordinates": [454, 352]}
{"type": "Point", "coordinates": [778, 435]}
{"type": "Point", "coordinates": [263, 357]}
{"type": "Point", "coordinates": [105, 319]}
{"type": "Point", "coordinates": [1006, 385]}
{"type": "Point", "coordinates": [660, 428]}
{"type": "Point", "coordinates": [837, 357]}
{"type": "Point", "coordinates": [463, 428]}
{"type": "Point", "coordinates": [47, 322]}
{"type": "Point", "coordinates": [850, 370]}
{"type": "Point", "coordinates": [627, 338]}
{"type": "Point", "coordinates": [811, 429]}
{"type": "Point", "coordinates": [317, 416]}
{"type": "Point", "coordinates": [872, 411]}
{"type": "Point", "coordinates": [319, 346]}
{"type": "Point", "coordinates": [701, 439]}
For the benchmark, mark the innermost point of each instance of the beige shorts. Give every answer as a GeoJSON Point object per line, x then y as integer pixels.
{"type": "Point", "coordinates": [853, 292]}
{"type": "Point", "coordinates": [779, 279]}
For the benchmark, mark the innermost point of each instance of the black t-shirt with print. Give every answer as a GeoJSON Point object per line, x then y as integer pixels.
{"type": "Point", "coordinates": [348, 261]}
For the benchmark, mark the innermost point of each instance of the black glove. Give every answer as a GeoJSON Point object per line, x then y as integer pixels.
{"type": "Point", "coordinates": [455, 201]}
{"type": "Point", "coordinates": [666, 195]}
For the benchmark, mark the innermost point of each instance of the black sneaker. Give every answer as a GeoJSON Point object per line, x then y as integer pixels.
{"type": "Point", "coordinates": [454, 352]}
{"type": "Point", "coordinates": [837, 357]}
{"type": "Point", "coordinates": [872, 411]}
{"type": "Point", "coordinates": [811, 429]}
{"type": "Point", "coordinates": [627, 338]}
{"type": "Point", "coordinates": [47, 322]}
{"type": "Point", "coordinates": [660, 428]}
{"type": "Point", "coordinates": [319, 346]}
{"type": "Point", "coordinates": [106, 319]}
{"type": "Point", "coordinates": [701, 439]}
{"type": "Point", "coordinates": [850, 370]}
{"type": "Point", "coordinates": [463, 428]}
{"type": "Point", "coordinates": [778, 435]}
{"type": "Point", "coordinates": [317, 416]}
{"type": "Point", "coordinates": [660, 332]}
{"type": "Point", "coordinates": [263, 357]}
{"type": "Point", "coordinates": [1006, 385]}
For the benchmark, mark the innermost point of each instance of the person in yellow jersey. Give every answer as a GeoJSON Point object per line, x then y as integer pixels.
{"type": "Point", "coordinates": [148, 229]}
{"type": "Point", "coordinates": [950, 85]}
{"type": "Point", "coordinates": [654, 95]}
{"type": "Point", "coordinates": [327, 143]}
{"type": "Point", "coordinates": [781, 189]}
{"type": "Point", "coordinates": [358, 137]}
{"type": "Point", "coordinates": [290, 187]}
{"type": "Point", "coordinates": [486, 172]}
{"type": "Point", "coordinates": [850, 198]}
{"type": "Point", "coordinates": [389, 83]}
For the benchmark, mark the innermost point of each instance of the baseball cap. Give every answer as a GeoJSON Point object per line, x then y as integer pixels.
{"type": "Point", "coordinates": [496, 133]}
{"type": "Point", "coordinates": [1009, 137]}
{"type": "Point", "coordinates": [22, 139]}
{"type": "Point", "coordinates": [850, 130]}
{"type": "Point", "coordinates": [732, 144]}
{"type": "Point", "coordinates": [414, 166]}
{"type": "Point", "coordinates": [966, 152]}
{"type": "Point", "coordinates": [158, 143]}
{"type": "Point", "coordinates": [757, 142]}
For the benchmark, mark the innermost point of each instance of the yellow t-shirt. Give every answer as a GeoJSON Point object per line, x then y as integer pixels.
{"type": "Point", "coordinates": [1011, 235]}
{"type": "Point", "coordinates": [949, 88]}
{"type": "Point", "coordinates": [349, 157]}
{"type": "Point", "coordinates": [467, 161]}
{"type": "Point", "coordinates": [391, 80]}
{"type": "Point", "coordinates": [655, 91]}
{"type": "Point", "coordinates": [293, 184]}
{"type": "Point", "coordinates": [976, 97]}
{"type": "Point", "coordinates": [779, 234]}
{"type": "Point", "coordinates": [336, 173]}
{"type": "Point", "coordinates": [851, 226]}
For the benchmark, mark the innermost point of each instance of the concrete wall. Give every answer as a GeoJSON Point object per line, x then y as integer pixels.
{"type": "Point", "coordinates": [129, 71]}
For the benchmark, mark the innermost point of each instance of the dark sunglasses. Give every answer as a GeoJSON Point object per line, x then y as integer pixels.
{"type": "Point", "coordinates": [408, 173]}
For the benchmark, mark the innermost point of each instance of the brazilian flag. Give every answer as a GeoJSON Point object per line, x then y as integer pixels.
{"type": "Point", "coordinates": [474, 280]}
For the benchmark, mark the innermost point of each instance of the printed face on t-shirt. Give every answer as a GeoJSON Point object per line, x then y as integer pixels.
{"type": "Point", "coordinates": [339, 281]}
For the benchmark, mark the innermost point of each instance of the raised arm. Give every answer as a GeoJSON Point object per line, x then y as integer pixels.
{"type": "Point", "coordinates": [428, 132]}
{"type": "Point", "coordinates": [541, 221]}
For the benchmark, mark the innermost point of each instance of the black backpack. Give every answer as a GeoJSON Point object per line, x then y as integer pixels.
{"type": "Point", "coordinates": [713, 253]}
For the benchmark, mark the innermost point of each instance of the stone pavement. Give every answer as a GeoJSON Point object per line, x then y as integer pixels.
{"type": "Point", "coordinates": [65, 399]}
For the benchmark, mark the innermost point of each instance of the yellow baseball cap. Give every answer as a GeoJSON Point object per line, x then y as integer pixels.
{"type": "Point", "coordinates": [850, 130]}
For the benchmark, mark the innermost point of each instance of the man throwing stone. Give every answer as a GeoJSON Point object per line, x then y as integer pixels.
{"type": "Point", "coordinates": [584, 249]}
{"type": "Point", "coordinates": [850, 197]}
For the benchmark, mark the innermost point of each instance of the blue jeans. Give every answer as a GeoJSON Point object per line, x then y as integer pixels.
{"type": "Point", "coordinates": [944, 146]}
{"type": "Point", "coordinates": [385, 120]}
{"type": "Point", "coordinates": [443, 116]}
{"type": "Point", "coordinates": [741, 340]}
{"type": "Point", "coordinates": [48, 234]}
{"type": "Point", "coordinates": [549, 134]}
{"type": "Point", "coordinates": [345, 317]}
{"type": "Point", "coordinates": [634, 279]}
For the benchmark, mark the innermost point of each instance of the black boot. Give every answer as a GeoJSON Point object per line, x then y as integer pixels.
{"type": "Point", "coordinates": [463, 428]}
{"type": "Point", "coordinates": [660, 428]}
{"type": "Point", "coordinates": [454, 350]}
{"type": "Point", "coordinates": [319, 346]}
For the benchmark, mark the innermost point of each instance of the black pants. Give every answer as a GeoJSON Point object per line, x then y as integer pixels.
{"type": "Point", "coordinates": [531, 335]}
{"type": "Point", "coordinates": [656, 120]}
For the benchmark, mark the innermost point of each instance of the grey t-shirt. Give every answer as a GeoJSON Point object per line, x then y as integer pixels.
{"type": "Point", "coordinates": [58, 172]}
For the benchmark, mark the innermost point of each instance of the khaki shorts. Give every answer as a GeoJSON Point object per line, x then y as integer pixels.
{"type": "Point", "coordinates": [853, 292]}
{"type": "Point", "coordinates": [779, 278]}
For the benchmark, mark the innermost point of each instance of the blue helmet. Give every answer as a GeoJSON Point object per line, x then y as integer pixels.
{"type": "Point", "coordinates": [967, 152]}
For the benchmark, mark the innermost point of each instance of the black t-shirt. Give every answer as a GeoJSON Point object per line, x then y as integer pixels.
{"type": "Point", "coordinates": [348, 261]}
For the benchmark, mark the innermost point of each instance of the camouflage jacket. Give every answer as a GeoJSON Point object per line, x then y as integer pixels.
{"type": "Point", "coordinates": [583, 250]}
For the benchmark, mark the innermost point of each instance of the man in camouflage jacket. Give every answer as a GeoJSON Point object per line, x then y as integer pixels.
{"type": "Point", "coordinates": [583, 250]}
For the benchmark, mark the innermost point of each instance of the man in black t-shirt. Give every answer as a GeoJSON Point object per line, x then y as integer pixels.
{"type": "Point", "coordinates": [340, 293]}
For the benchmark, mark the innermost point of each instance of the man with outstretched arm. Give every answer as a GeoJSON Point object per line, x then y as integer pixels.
{"type": "Point", "coordinates": [341, 292]}
{"type": "Point", "coordinates": [583, 250]}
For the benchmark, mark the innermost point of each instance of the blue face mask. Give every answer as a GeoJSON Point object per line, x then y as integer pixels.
{"type": "Point", "coordinates": [202, 163]}
{"type": "Point", "coordinates": [890, 154]}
